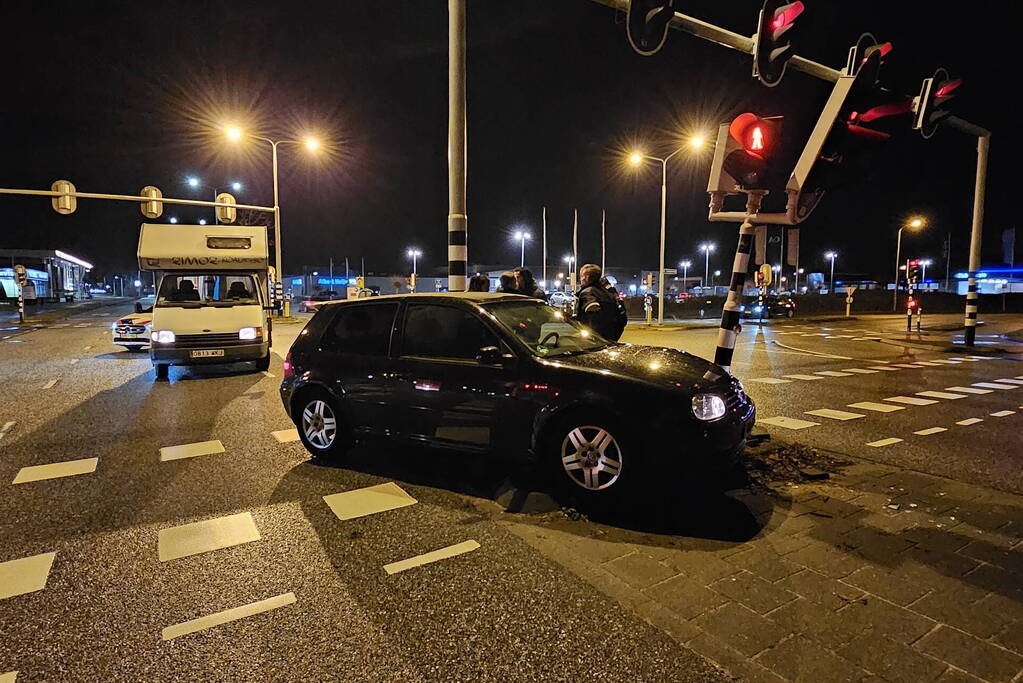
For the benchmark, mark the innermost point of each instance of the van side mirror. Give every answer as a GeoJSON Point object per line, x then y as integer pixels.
{"type": "Point", "coordinates": [138, 307]}
{"type": "Point", "coordinates": [489, 355]}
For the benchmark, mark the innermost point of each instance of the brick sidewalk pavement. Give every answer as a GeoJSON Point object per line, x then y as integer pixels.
{"type": "Point", "coordinates": [874, 574]}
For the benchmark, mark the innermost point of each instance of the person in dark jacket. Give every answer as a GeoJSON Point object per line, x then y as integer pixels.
{"type": "Point", "coordinates": [479, 283]}
{"type": "Point", "coordinates": [598, 306]}
{"type": "Point", "coordinates": [508, 283]}
{"type": "Point", "coordinates": [526, 285]}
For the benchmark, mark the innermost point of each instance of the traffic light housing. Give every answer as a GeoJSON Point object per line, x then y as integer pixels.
{"type": "Point", "coordinates": [743, 161]}
{"type": "Point", "coordinates": [646, 24]}
{"type": "Point", "coordinates": [771, 46]}
{"type": "Point", "coordinates": [913, 271]}
{"type": "Point", "coordinates": [66, 202]}
{"type": "Point", "coordinates": [226, 214]}
{"type": "Point", "coordinates": [152, 207]}
{"type": "Point", "coordinates": [929, 105]}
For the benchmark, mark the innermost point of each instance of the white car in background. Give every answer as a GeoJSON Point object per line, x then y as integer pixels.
{"type": "Point", "coordinates": [132, 331]}
{"type": "Point", "coordinates": [560, 299]}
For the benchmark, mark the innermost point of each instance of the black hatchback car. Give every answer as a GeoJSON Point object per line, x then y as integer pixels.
{"type": "Point", "coordinates": [505, 373]}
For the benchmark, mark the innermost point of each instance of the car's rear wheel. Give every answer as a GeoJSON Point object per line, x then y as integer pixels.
{"type": "Point", "coordinates": [591, 458]}
{"type": "Point", "coordinates": [320, 425]}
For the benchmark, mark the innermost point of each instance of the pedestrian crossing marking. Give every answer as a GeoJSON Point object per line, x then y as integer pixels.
{"type": "Point", "coordinates": [838, 336]}
{"type": "Point", "coordinates": [769, 380]}
{"type": "Point", "coordinates": [866, 338]}
{"type": "Point", "coordinates": [883, 367]}
{"type": "Point", "coordinates": [434, 556]}
{"type": "Point", "coordinates": [910, 400]}
{"type": "Point", "coordinates": [926, 362]}
{"type": "Point", "coordinates": [805, 378]}
{"type": "Point", "coordinates": [969, 421]}
{"type": "Point", "coordinates": [25, 575]}
{"type": "Point", "coordinates": [368, 501]}
{"type": "Point", "coordinates": [787, 422]}
{"type": "Point", "coordinates": [9, 677]}
{"type": "Point", "coordinates": [860, 371]}
{"type": "Point", "coordinates": [833, 373]}
{"type": "Point", "coordinates": [50, 384]}
{"type": "Point", "coordinates": [285, 435]}
{"type": "Point", "coordinates": [56, 470]}
{"type": "Point", "coordinates": [907, 365]}
{"type": "Point", "coordinates": [190, 450]}
{"type": "Point", "coordinates": [931, 430]}
{"type": "Point", "coordinates": [228, 615]}
{"type": "Point", "coordinates": [876, 407]}
{"type": "Point", "coordinates": [994, 385]}
{"type": "Point", "coordinates": [8, 426]}
{"type": "Point", "coordinates": [948, 362]}
{"type": "Point", "coordinates": [1010, 380]}
{"type": "Point", "coordinates": [884, 442]}
{"type": "Point", "coordinates": [834, 414]}
{"type": "Point", "coordinates": [73, 361]}
{"type": "Point", "coordinates": [1003, 413]}
{"type": "Point", "coordinates": [206, 536]}
{"type": "Point", "coordinates": [969, 360]}
{"type": "Point", "coordinates": [969, 390]}
{"type": "Point", "coordinates": [939, 394]}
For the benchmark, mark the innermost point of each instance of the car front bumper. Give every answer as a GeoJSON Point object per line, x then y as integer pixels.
{"type": "Point", "coordinates": [169, 355]}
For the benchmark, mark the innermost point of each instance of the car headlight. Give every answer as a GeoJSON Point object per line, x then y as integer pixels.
{"type": "Point", "coordinates": [113, 326]}
{"type": "Point", "coordinates": [250, 333]}
{"type": "Point", "coordinates": [708, 407]}
{"type": "Point", "coordinates": [163, 336]}
{"type": "Point", "coordinates": [757, 309]}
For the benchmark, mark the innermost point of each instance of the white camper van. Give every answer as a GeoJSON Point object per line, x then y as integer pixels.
{"type": "Point", "coordinates": [212, 303]}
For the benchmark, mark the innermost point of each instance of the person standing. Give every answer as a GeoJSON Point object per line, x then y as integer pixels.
{"type": "Point", "coordinates": [508, 285]}
{"type": "Point", "coordinates": [599, 307]}
{"type": "Point", "coordinates": [479, 283]}
{"type": "Point", "coordinates": [526, 284]}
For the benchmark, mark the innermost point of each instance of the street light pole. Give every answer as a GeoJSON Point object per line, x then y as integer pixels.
{"type": "Point", "coordinates": [898, 258]}
{"type": "Point", "coordinates": [832, 255]}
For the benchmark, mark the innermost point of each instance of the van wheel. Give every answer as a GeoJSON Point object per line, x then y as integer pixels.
{"type": "Point", "coordinates": [320, 426]}
{"type": "Point", "coordinates": [263, 364]}
{"type": "Point", "coordinates": [591, 458]}
{"type": "Point", "coordinates": [162, 371]}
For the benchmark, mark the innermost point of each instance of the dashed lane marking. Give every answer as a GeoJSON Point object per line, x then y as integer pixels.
{"type": "Point", "coordinates": [25, 575]}
{"type": "Point", "coordinates": [838, 336]}
{"type": "Point", "coordinates": [55, 470]}
{"type": "Point", "coordinates": [926, 362]}
{"type": "Point", "coordinates": [834, 414]}
{"type": "Point", "coordinates": [994, 385]}
{"type": "Point", "coordinates": [968, 360]}
{"type": "Point", "coordinates": [73, 361]}
{"type": "Point", "coordinates": [969, 421]}
{"type": "Point", "coordinates": [1003, 413]}
{"type": "Point", "coordinates": [910, 400]}
{"type": "Point", "coordinates": [206, 536]}
{"type": "Point", "coordinates": [876, 407]}
{"type": "Point", "coordinates": [907, 365]}
{"type": "Point", "coordinates": [285, 435]}
{"type": "Point", "coordinates": [833, 373]}
{"type": "Point", "coordinates": [770, 380]}
{"type": "Point", "coordinates": [269, 374]}
{"type": "Point", "coordinates": [368, 501]}
{"type": "Point", "coordinates": [82, 325]}
{"type": "Point", "coordinates": [8, 426]}
{"type": "Point", "coordinates": [805, 378]}
{"type": "Point", "coordinates": [866, 338]}
{"type": "Point", "coordinates": [968, 390]}
{"type": "Point", "coordinates": [931, 430]}
{"type": "Point", "coordinates": [860, 371]}
{"type": "Point", "coordinates": [1010, 380]}
{"type": "Point", "coordinates": [190, 450]}
{"type": "Point", "coordinates": [228, 615]}
{"type": "Point", "coordinates": [787, 422]}
{"type": "Point", "coordinates": [939, 394]}
{"type": "Point", "coordinates": [884, 442]}
{"type": "Point", "coordinates": [50, 384]}
{"type": "Point", "coordinates": [948, 362]}
{"type": "Point", "coordinates": [9, 677]}
{"type": "Point", "coordinates": [87, 348]}
{"type": "Point", "coordinates": [434, 556]}
{"type": "Point", "coordinates": [883, 367]}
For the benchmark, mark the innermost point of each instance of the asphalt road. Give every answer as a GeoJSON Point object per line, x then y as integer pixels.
{"type": "Point", "coordinates": [502, 611]}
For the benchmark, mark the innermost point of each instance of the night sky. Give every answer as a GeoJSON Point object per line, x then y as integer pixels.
{"type": "Point", "coordinates": [115, 96]}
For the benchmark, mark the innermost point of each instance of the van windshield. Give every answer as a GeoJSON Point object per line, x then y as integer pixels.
{"type": "Point", "coordinates": [195, 290]}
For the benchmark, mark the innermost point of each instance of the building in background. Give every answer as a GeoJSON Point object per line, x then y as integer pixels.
{"type": "Point", "coordinates": [52, 275]}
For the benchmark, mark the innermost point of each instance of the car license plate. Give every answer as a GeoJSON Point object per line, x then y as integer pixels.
{"type": "Point", "coordinates": [208, 353]}
{"type": "Point", "coordinates": [130, 336]}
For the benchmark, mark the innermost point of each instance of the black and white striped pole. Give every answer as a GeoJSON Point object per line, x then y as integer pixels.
{"type": "Point", "coordinates": [975, 236]}
{"type": "Point", "coordinates": [730, 326]}
{"type": "Point", "coordinates": [457, 222]}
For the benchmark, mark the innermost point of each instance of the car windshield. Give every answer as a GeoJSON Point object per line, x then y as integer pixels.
{"type": "Point", "coordinates": [195, 290]}
{"type": "Point", "coordinates": [546, 331]}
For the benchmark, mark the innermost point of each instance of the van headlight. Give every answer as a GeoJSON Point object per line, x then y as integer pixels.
{"type": "Point", "coordinates": [163, 336]}
{"type": "Point", "coordinates": [708, 407]}
{"type": "Point", "coordinates": [250, 333]}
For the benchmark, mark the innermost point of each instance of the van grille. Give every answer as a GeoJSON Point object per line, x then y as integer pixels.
{"type": "Point", "coordinates": [195, 341]}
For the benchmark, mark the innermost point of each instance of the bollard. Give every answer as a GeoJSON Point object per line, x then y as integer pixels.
{"type": "Point", "coordinates": [287, 308]}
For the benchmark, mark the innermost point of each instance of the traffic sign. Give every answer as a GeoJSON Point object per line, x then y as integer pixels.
{"type": "Point", "coordinates": [671, 271]}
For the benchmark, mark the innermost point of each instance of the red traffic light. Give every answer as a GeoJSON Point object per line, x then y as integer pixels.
{"type": "Point", "coordinates": [755, 134]}
{"type": "Point", "coordinates": [785, 15]}
{"type": "Point", "coordinates": [910, 303]}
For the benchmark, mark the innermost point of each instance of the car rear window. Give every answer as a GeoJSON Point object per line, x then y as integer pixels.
{"type": "Point", "coordinates": [362, 329]}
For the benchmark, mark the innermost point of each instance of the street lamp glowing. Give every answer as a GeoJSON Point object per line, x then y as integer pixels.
{"type": "Point", "coordinates": [312, 144]}
{"type": "Point", "coordinates": [233, 133]}
{"type": "Point", "coordinates": [916, 223]}
{"type": "Point", "coordinates": [830, 255]}
{"type": "Point", "coordinates": [236, 186]}
{"type": "Point", "coordinates": [707, 246]}
{"type": "Point", "coordinates": [635, 158]}
{"type": "Point", "coordinates": [192, 181]}
{"type": "Point", "coordinates": [685, 264]}
{"type": "Point", "coordinates": [173, 219]}
{"type": "Point", "coordinates": [697, 141]}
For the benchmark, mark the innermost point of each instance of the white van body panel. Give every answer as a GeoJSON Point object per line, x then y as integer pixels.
{"type": "Point", "coordinates": [207, 320]}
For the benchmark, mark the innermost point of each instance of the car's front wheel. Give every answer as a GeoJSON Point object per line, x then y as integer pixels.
{"type": "Point", "coordinates": [591, 458]}
{"type": "Point", "coordinates": [320, 425]}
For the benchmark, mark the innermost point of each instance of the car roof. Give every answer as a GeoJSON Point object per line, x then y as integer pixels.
{"type": "Point", "coordinates": [470, 297]}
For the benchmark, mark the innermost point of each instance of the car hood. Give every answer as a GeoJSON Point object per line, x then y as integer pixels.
{"type": "Point", "coordinates": [136, 319]}
{"type": "Point", "coordinates": [653, 364]}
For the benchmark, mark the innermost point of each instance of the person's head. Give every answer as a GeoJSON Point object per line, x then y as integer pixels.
{"type": "Point", "coordinates": [186, 286]}
{"type": "Point", "coordinates": [508, 282]}
{"type": "Point", "coordinates": [524, 280]}
{"type": "Point", "coordinates": [589, 274]}
{"type": "Point", "coordinates": [479, 283]}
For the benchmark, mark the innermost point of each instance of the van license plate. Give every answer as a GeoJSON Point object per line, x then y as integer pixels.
{"type": "Point", "coordinates": [208, 353]}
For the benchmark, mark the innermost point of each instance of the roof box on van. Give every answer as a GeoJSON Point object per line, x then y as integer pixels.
{"type": "Point", "coordinates": [202, 247]}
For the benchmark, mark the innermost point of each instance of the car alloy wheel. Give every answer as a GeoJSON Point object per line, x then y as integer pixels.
{"type": "Point", "coordinates": [591, 457]}
{"type": "Point", "coordinates": [319, 424]}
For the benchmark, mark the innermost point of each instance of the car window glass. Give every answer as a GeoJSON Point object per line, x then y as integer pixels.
{"type": "Point", "coordinates": [433, 331]}
{"type": "Point", "coordinates": [207, 289]}
{"type": "Point", "coordinates": [364, 330]}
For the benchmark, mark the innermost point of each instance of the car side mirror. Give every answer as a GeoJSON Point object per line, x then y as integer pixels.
{"type": "Point", "coordinates": [489, 355]}
{"type": "Point", "coordinates": [138, 307]}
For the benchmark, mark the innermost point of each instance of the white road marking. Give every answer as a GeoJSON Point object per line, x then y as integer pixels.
{"type": "Point", "coordinates": [769, 380]}
{"type": "Point", "coordinates": [939, 394]}
{"type": "Point", "coordinates": [434, 556]}
{"type": "Point", "coordinates": [228, 615]}
{"type": "Point", "coordinates": [833, 373]}
{"type": "Point", "coordinates": [73, 361]}
{"type": "Point", "coordinates": [860, 371]}
{"type": "Point", "coordinates": [56, 470]}
{"type": "Point", "coordinates": [969, 360]}
{"type": "Point", "coordinates": [8, 426]}
{"type": "Point", "coordinates": [948, 362]}
{"type": "Point", "coordinates": [969, 390]}
{"type": "Point", "coordinates": [285, 435]}
{"type": "Point", "coordinates": [269, 374]}
{"type": "Point", "coordinates": [866, 338]}
{"type": "Point", "coordinates": [910, 400]}
{"type": "Point", "coordinates": [9, 677]}
{"type": "Point", "coordinates": [876, 407]}
{"type": "Point", "coordinates": [926, 362]}
{"type": "Point", "coordinates": [25, 575]}
{"type": "Point", "coordinates": [806, 378]}
{"type": "Point", "coordinates": [907, 365]}
{"type": "Point", "coordinates": [931, 430]}
{"type": "Point", "coordinates": [884, 442]}
{"type": "Point", "coordinates": [834, 414]}
{"type": "Point", "coordinates": [969, 421]}
{"type": "Point", "coordinates": [994, 385]}
{"type": "Point", "coordinates": [190, 450]}
{"type": "Point", "coordinates": [838, 336]}
{"type": "Point", "coordinates": [1010, 380]}
{"type": "Point", "coordinates": [50, 384]}
{"type": "Point", "coordinates": [206, 536]}
{"type": "Point", "coordinates": [87, 348]}
{"type": "Point", "coordinates": [368, 501]}
{"type": "Point", "coordinates": [787, 422]}
{"type": "Point", "coordinates": [82, 325]}
{"type": "Point", "coordinates": [1003, 413]}
{"type": "Point", "coordinates": [883, 367]}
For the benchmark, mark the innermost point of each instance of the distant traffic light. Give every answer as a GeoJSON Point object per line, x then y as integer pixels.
{"type": "Point", "coordinates": [770, 51]}
{"type": "Point", "coordinates": [913, 271]}
{"type": "Point", "coordinates": [928, 106]}
{"type": "Point", "coordinates": [752, 142]}
{"type": "Point", "coordinates": [646, 24]}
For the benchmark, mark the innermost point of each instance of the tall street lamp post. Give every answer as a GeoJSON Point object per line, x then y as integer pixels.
{"type": "Point", "coordinates": [522, 237]}
{"type": "Point", "coordinates": [414, 254]}
{"type": "Point", "coordinates": [914, 224]}
{"type": "Point", "coordinates": [832, 255]}
{"type": "Point", "coordinates": [195, 183]}
{"type": "Point", "coordinates": [923, 272]}
{"type": "Point", "coordinates": [685, 271]}
{"type": "Point", "coordinates": [706, 248]}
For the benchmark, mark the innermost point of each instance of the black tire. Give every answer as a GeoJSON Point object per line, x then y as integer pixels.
{"type": "Point", "coordinates": [162, 371]}
{"type": "Point", "coordinates": [617, 467]}
{"type": "Point", "coordinates": [312, 411]}
{"type": "Point", "coordinates": [263, 364]}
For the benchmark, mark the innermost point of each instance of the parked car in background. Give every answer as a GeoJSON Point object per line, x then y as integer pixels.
{"type": "Point", "coordinates": [496, 373]}
{"type": "Point", "coordinates": [311, 303]}
{"type": "Point", "coordinates": [560, 299]}
{"type": "Point", "coordinates": [132, 331]}
{"type": "Point", "coordinates": [772, 307]}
